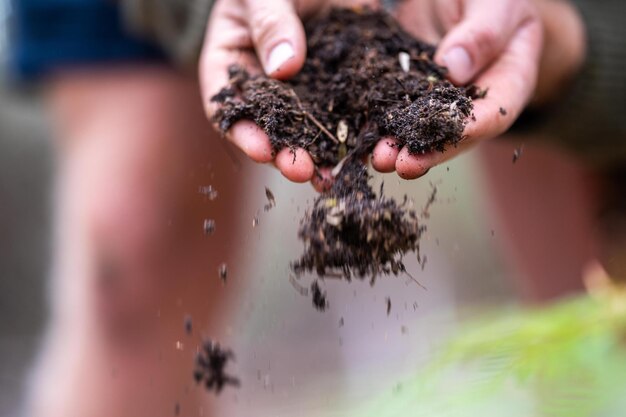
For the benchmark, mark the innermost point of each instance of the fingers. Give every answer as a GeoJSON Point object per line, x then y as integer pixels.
{"type": "Point", "coordinates": [511, 81]}
{"type": "Point", "coordinates": [419, 19]}
{"type": "Point", "coordinates": [227, 42]}
{"type": "Point", "coordinates": [498, 45]}
{"type": "Point", "coordinates": [322, 179]}
{"type": "Point", "coordinates": [296, 165]}
{"type": "Point", "coordinates": [410, 167]}
{"type": "Point", "coordinates": [252, 140]}
{"type": "Point", "coordinates": [384, 155]}
{"type": "Point", "coordinates": [278, 36]}
{"type": "Point", "coordinates": [482, 34]}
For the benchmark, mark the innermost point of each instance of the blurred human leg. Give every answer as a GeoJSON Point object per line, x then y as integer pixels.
{"type": "Point", "coordinates": [131, 256]}
{"type": "Point", "coordinates": [545, 204]}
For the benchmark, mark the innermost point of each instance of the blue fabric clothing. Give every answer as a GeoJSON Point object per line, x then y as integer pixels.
{"type": "Point", "coordinates": [46, 35]}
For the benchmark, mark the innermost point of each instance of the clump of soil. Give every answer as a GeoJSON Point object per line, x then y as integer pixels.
{"type": "Point", "coordinates": [364, 78]}
{"type": "Point", "coordinates": [351, 231]}
{"type": "Point", "coordinates": [211, 362]}
{"type": "Point", "coordinates": [318, 297]}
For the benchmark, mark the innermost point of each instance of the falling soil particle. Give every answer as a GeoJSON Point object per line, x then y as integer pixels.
{"type": "Point", "coordinates": [211, 362]}
{"type": "Point", "coordinates": [208, 226]}
{"type": "Point", "coordinates": [517, 153]}
{"type": "Point", "coordinates": [364, 78]}
{"type": "Point", "coordinates": [271, 201]}
{"type": "Point", "coordinates": [319, 298]}
{"type": "Point", "coordinates": [223, 272]}
{"type": "Point", "coordinates": [188, 325]}
{"type": "Point", "coordinates": [208, 191]}
{"type": "Point", "coordinates": [431, 200]}
{"type": "Point", "coordinates": [388, 303]}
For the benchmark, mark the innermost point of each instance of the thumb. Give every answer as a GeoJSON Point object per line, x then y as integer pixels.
{"type": "Point", "coordinates": [482, 34]}
{"type": "Point", "coordinates": [278, 36]}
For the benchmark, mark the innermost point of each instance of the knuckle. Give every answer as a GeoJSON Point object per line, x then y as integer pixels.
{"type": "Point", "coordinates": [449, 12]}
{"type": "Point", "coordinates": [264, 25]}
{"type": "Point", "coordinates": [484, 39]}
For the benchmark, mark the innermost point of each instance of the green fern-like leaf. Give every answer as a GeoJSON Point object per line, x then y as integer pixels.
{"type": "Point", "coordinates": [566, 360]}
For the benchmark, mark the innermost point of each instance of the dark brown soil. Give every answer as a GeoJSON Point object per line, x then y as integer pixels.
{"type": "Point", "coordinates": [364, 78]}
{"type": "Point", "coordinates": [350, 231]}
{"type": "Point", "coordinates": [318, 297]}
{"type": "Point", "coordinates": [352, 91]}
{"type": "Point", "coordinates": [211, 363]}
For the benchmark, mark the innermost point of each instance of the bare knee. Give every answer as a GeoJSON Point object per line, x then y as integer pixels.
{"type": "Point", "coordinates": [125, 183]}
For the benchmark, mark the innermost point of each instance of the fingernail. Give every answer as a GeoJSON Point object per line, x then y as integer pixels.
{"type": "Point", "coordinates": [280, 54]}
{"type": "Point", "coordinates": [459, 64]}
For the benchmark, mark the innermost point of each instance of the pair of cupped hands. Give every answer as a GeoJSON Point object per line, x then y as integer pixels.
{"type": "Point", "coordinates": [495, 44]}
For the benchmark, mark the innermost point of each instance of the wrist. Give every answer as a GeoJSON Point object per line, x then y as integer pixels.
{"type": "Point", "coordinates": [564, 49]}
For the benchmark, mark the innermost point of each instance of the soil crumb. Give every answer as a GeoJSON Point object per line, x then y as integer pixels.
{"type": "Point", "coordinates": [517, 153]}
{"type": "Point", "coordinates": [271, 201]}
{"type": "Point", "coordinates": [211, 362]}
{"type": "Point", "coordinates": [188, 322]}
{"type": "Point", "coordinates": [319, 298]}
{"type": "Point", "coordinates": [364, 78]}
{"type": "Point", "coordinates": [208, 191]}
{"type": "Point", "coordinates": [208, 226]}
{"type": "Point", "coordinates": [222, 270]}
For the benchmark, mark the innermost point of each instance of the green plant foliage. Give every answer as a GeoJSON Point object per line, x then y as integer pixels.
{"type": "Point", "coordinates": [565, 360]}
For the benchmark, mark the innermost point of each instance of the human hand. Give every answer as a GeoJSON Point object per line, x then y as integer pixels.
{"type": "Point", "coordinates": [495, 44]}
{"type": "Point", "coordinates": [263, 36]}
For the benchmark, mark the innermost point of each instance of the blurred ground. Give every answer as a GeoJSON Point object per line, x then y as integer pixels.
{"type": "Point", "coordinates": [25, 175]}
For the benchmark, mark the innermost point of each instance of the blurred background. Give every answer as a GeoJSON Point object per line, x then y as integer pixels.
{"type": "Point", "coordinates": [25, 210]}
{"type": "Point", "coordinates": [291, 359]}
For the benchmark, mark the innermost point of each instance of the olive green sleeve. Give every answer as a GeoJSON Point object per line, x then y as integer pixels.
{"type": "Point", "coordinates": [177, 26]}
{"type": "Point", "coordinates": [590, 118]}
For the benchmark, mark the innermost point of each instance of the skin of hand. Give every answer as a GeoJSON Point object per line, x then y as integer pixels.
{"type": "Point", "coordinates": [496, 44]}
{"type": "Point", "coordinates": [520, 50]}
{"type": "Point", "coordinates": [263, 36]}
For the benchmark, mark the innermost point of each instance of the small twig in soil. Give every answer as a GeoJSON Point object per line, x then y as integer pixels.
{"type": "Point", "coordinates": [321, 126]}
{"type": "Point", "coordinates": [313, 119]}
